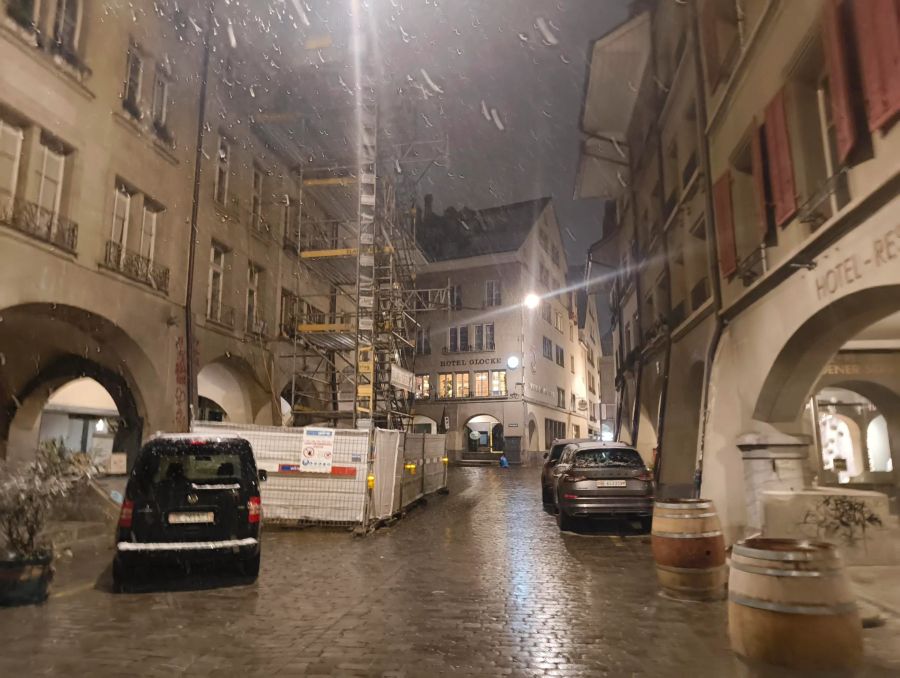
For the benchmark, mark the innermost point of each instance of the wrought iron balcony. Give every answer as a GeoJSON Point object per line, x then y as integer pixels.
{"type": "Point", "coordinates": [220, 313]}
{"type": "Point", "coordinates": [134, 266]}
{"type": "Point", "coordinates": [40, 223]}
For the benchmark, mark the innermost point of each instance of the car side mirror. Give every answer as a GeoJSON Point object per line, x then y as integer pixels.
{"type": "Point", "coordinates": [263, 475]}
{"type": "Point", "coordinates": [546, 454]}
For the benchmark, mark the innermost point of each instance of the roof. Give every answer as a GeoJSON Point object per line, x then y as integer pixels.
{"type": "Point", "coordinates": [458, 234]}
{"type": "Point", "coordinates": [210, 437]}
{"type": "Point", "coordinates": [594, 443]}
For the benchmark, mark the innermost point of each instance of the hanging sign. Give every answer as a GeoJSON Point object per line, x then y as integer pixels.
{"type": "Point", "coordinates": [317, 450]}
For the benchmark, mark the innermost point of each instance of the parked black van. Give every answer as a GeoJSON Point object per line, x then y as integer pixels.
{"type": "Point", "coordinates": [190, 498]}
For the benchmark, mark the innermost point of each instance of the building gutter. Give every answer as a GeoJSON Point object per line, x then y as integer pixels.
{"type": "Point", "coordinates": [712, 249]}
{"type": "Point", "coordinates": [195, 207]}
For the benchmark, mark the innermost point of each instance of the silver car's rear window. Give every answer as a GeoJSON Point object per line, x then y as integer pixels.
{"type": "Point", "coordinates": [605, 458]}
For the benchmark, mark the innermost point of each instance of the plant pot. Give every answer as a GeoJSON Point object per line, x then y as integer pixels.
{"type": "Point", "coordinates": [25, 581]}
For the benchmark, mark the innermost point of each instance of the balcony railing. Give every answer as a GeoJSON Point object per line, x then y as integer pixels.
{"type": "Point", "coordinates": [469, 348]}
{"type": "Point", "coordinates": [137, 267]}
{"type": "Point", "coordinates": [221, 314]}
{"type": "Point", "coordinates": [40, 223]}
{"type": "Point", "coordinates": [699, 293]}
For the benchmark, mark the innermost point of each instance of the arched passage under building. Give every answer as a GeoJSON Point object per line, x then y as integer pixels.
{"type": "Point", "coordinates": [484, 434]}
{"type": "Point", "coordinates": [224, 389]}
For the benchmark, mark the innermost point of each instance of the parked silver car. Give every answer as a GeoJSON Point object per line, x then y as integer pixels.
{"type": "Point", "coordinates": [602, 480]}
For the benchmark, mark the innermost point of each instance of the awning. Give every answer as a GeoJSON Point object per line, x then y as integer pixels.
{"type": "Point", "coordinates": [617, 67]}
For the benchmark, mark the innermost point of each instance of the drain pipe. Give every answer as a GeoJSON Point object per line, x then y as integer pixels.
{"type": "Point", "coordinates": [712, 250]}
{"type": "Point", "coordinates": [195, 206]}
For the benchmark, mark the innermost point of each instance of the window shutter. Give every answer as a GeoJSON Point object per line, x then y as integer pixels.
{"type": "Point", "coordinates": [710, 43]}
{"type": "Point", "coordinates": [759, 181]}
{"type": "Point", "coordinates": [725, 225]}
{"type": "Point", "coordinates": [877, 24]}
{"type": "Point", "coordinates": [839, 78]}
{"type": "Point", "coordinates": [781, 166]}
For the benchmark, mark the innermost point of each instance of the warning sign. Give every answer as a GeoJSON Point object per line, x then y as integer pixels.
{"type": "Point", "coordinates": [317, 450]}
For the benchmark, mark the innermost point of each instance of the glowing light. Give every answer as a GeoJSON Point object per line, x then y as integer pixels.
{"type": "Point", "coordinates": [512, 362]}
{"type": "Point", "coordinates": [532, 301]}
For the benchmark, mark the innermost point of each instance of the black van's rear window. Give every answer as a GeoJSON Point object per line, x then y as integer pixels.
{"type": "Point", "coordinates": [606, 458]}
{"type": "Point", "coordinates": [198, 467]}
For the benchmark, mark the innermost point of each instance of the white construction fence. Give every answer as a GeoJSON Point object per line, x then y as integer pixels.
{"type": "Point", "coordinates": [330, 476]}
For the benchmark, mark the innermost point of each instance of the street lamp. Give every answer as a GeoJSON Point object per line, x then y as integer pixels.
{"type": "Point", "coordinates": [532, 301]}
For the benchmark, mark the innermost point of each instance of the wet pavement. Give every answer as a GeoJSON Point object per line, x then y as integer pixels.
{"type": "Point", "coordinates": [476, 583]}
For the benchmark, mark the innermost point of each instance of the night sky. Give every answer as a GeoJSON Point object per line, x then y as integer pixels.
{"type": "Point", "coordinates": [503, 80]}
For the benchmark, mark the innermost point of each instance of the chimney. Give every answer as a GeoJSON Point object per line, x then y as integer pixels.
{"type": "Point", "coordinates": [429, 205]}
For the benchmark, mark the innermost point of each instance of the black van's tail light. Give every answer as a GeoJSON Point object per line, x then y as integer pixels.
{"type": "Point", "coordinates": [126, 514]}
{"type": "Point", "coordinates": [646, 476]}
{"type": "Point", "coordinates": [254, 510]}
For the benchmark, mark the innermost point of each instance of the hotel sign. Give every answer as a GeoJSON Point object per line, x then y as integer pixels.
{"type": "Point", "coordinates": [881, 251]}
{"type": "Point", "coordinates": [471, 361]}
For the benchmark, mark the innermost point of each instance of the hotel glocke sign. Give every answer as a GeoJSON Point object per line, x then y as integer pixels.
{"type": "Point", "coordinates": [471, 361]}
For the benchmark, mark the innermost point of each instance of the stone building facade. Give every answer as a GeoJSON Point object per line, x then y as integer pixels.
{"type": "Point", "coordinates": [794, 179]}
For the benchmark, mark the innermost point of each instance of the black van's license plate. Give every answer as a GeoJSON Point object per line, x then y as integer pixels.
{"type": "Point", "coordinates": [193, 518]}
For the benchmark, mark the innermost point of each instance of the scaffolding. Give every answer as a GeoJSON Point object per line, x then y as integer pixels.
{"type": "Point", "coordinates": [357, 234]}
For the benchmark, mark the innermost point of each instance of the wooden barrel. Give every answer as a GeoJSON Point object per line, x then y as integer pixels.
{"type": "Point", "coordinates": [790, 604]}
{"type": "Point", "coordinates": [689, 549]}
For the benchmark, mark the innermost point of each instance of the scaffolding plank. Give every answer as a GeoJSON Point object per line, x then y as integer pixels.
{"type": "Point", "coordinates": [331, 328]}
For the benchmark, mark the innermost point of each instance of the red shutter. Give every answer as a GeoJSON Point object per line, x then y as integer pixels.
{"type": "Point", "coordinates": [710, 43]}
{"type": "Point", "coordinates": [877, 24]}
{"type": "Point", "coordinates": [781, 166]}
{"type": "Point", "coordinates": [839, 78]}
{"type": "Point", "coordinates": [725, 225]}
{"type": "Point", "coordinates": [759, 181]}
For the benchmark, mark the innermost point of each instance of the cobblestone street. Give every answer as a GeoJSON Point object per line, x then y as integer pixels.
{"type": "Point", "coordinates": [477, 583]}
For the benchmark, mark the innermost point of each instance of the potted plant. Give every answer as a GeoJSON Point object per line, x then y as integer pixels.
{"type": "Point", "coordinates": [27, 496]}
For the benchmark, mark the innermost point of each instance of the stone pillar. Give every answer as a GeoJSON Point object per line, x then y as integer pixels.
{"type": "Point", "coordinates": [772, 461]}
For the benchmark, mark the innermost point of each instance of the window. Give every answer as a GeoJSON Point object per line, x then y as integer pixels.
{"type": "Point", "coordinates": [489, 336]}
{"type": "Point", "coordinates": [160, 104]}
{"type": "Point", "coordinates": [553, 430]}
{"type": "Point", "coordinates": [423, 341]}
{"type": "Point", "coordinates": [253, 323]}
{"type": "Point", "coordinates": [560, 356]}
{"type": "Point", "coordinates": [592, 383]}
{"type": "Point", "coordinates": [554, 254]}
{"type": "Point", "coordinates": [121, 215]}
{"type": "Point", "coordinates": [464, 338]}
{"type": "Point", "coordinates": [481, 384]}
{"type": "Point", "coordinates": [572, 363]}
{"type": "Point", "coordinates": [423, 386]}
{"type": "Point", "coordinates": [479, 338]}
{"type": "Point", "coordinates": [256, 195]}
{"type": "Point", "coordinates": [454, 340]}
{"type": "Point", "coordinates": [543, 275]}
{"type": "Point", "coordinates": [149, 225]}
{"type": "Point", "coordinates": [50, 179]}
{"type": "Point", "coordinates": [543, 239]}
{"type": "Point", "coordinates": [492, 293]}
{"type": "Point", "coordinates": [461, 385]}
{"type": "Point", "coordinates": [560, 397]}
{"type": "Point", "coordinates": [498, 383]}
{"type": "Point", "coordinates": [546, 311]}
{"type": "Point", "coordinates": [22, 12]}
{"type": "Point", "coordinates": [576, 431]}
{"type": "Point", "coordinates": [548, 349]}
{"type": "Point", "coordinates": [456, 297]}
{"type": "Point", "coordinates": [223, 170]}
{"type": "Point", "coordinates": [10, 156]}
{"type": "Point", "coordinates": [289, 302]}
{"type": "Point", "coordinates": [445, 385]}
{"type": "Point", "coordinates": [134, 75]}
{"type": "Point", "coordinates": [557, 320]}
{"type": "Point", "coordinates": [718, 28]}
{"type": "Point", "coordinates": [65, 26]}
{"type": "Point", "coordinates": [216, 281]}
{"type": "Point", "coordinates": [572, 401]}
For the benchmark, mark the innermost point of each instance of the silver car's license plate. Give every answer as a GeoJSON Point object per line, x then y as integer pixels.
{"type": "Point", "coordinates": [611, 483]}
{"type": "Point", "coordinates": [193, 518]}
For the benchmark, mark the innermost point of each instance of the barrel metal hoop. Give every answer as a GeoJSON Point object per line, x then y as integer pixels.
{"type": "Point", "coordinates": [689, 516]}
{"type": "Point", "coordinates": [687, 535]}
{"type": "Point", "coordinates": [774, 572]}
{"type": "Point", "coordinates": [761, 554]}
{"type": "Point", "coordinates": [842, 608]}
{"type": "Point", "coordinates": [676, 505]}
{"type": "Point", "coordinates": [689, 570]}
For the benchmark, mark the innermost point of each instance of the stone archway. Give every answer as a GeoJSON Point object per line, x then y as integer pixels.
{"type": "Point", "coordinates": [47, 345]}
{"type": "Point", "coordinates": [229, 383]}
